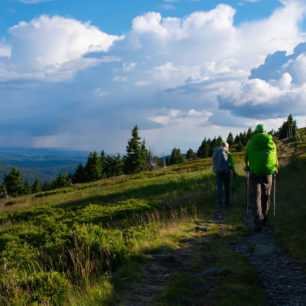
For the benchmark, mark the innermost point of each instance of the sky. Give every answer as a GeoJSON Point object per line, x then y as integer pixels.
{"type": "Point", "coordinates": [81, 74]}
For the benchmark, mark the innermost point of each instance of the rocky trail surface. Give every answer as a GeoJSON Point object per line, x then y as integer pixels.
{"type": "Point", "coordinates": [282, 278]}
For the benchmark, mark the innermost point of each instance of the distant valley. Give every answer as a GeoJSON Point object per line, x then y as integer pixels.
{"type": "Point", "coordinates": [46, 164]}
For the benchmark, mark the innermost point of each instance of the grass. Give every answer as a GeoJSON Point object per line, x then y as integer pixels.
{"type": "Point", "coordinates": [90, 240]}
{"type": "Point", "coordinates": [289, 222]}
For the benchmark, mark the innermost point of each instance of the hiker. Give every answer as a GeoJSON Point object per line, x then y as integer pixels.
{"type": "Point", "coordinates": [261, 160]}
{"type": "Point", "coordinates": [222, 164]}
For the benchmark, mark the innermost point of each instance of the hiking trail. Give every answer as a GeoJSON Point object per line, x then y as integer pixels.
{"type": "Point", "coordinates": [282, 278]}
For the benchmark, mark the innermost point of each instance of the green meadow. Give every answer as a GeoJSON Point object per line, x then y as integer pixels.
{"type": "Point", "coordinates": [81, 245]}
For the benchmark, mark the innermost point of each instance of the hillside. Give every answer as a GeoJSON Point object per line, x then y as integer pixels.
{"type": "Point", "coordinates": [152, 237]}
{"type": "Point", "coordinates": [46, 164]}
{"type": "Point", "coordinates": [26, 174]}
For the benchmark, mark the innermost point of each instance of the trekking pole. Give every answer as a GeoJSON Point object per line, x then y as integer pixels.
{"type": "Point", "coordinates": [246, 170]}
{"type": "Point", "coordinates": [274, 193]}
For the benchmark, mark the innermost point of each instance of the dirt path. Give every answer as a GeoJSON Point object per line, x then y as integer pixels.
{"type": "Point", "coordinates": [282, 278]}
{"type": "Point", "coordinates": [162, 265]}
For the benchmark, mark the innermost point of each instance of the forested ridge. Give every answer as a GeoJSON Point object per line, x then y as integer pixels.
{"type": "Point", "coordinates": [137, 158]}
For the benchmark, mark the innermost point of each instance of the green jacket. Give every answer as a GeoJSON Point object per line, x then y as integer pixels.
{"type": "Point", "coordinates": [261, 155]}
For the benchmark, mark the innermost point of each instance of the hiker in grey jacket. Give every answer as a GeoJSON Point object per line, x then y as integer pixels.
{"type": "Point", "coordinates": [222, 164]}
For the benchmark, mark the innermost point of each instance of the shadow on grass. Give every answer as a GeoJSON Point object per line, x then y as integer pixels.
{"type": "Point", "coordinates": [144, 192]}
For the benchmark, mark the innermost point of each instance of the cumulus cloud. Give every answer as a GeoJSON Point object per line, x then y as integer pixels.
{"type": "Point", "coordinates": [54, 48]}
{"type": "Point", "coordinates": [275, 88]}
{"type": "Point", "coordinates": [203, 71]}
{"type": "Point", "coordinates": [181, 119]}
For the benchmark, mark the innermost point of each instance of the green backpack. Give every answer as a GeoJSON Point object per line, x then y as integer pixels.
{"type": "Point", "coordinates": [262, 155]}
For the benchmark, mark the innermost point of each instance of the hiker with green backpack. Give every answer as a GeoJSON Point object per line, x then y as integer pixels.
{"type": "Point", "coordinates": [261, 161]}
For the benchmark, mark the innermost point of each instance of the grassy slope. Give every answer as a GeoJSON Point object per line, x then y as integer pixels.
{"type": "Point", "coordinates": [53, 230]}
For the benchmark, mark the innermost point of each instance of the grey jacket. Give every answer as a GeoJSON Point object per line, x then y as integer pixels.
{"type": "Point", "coordinates": [221, 161]}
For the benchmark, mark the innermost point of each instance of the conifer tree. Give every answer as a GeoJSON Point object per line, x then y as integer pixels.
{"type": "Point", "coordinates": [79, 174]}
{"type": "Point", "coordinates": [26, 187]}
{"type": "Point", "coordinates": [249, 134]}
{"type": "Point", "coordinates": [176, 157]}
{"type": "Point", "coordinates": [93, 168]}
{"type": "Point", "coordinates": [13, 183]}
{"type": "Point", "coordinates": [61, 181]}
{"type": "Point", "coordinates": [203, 150]}
{"type": "Point", "coordinates": [135, 158]}
{"type": "Point", "coordinates": [230, 139]}
{"type": "Point", "coordinates": [36, 187]}
{"type": "Point", "coordinates": [288, 128]}
{"type": "Point", "coordinates": [216, 142]}
{"type": "Point", "coordinates": [190, 155]}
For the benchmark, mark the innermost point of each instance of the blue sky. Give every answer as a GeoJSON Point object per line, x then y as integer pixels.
{"type": "Point", "coordinates": [80, 74]}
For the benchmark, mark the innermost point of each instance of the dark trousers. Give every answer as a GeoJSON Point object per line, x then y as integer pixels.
{"type": "Point", "coordinates": [223, 179]}
{"type": "Point", "coordinates": [260, 197]}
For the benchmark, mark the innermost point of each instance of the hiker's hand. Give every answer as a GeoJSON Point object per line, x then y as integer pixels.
{"type": "Point", "coordinates": [276, 171]}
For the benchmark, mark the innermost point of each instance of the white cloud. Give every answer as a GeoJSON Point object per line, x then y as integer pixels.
{"type": "Point", "coordinates": [168, 6]}
{"type": "Point", "coordinates": [120, 78]}
{"type": "Point", "coordinates": [141, 83]}
{"type": "Point", "coordinates": [185, 78]}
{"type": "Point", "coordinates": [299, 68]}
{"type": "Point", "coordinates": [128, 66]}
{"type": "Point", "coordinates": [181, 119]}
{"type": "Point", "coordinates": [54, 48]}
{"type": "Point", "coordinates": [99, 92]}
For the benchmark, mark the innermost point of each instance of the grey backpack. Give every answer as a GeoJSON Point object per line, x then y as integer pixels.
{"type": "Point", "coordinates": [220, 160]}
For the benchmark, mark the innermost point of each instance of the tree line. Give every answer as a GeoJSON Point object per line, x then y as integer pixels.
{"type": "Point", "coordinates": [137, 158]}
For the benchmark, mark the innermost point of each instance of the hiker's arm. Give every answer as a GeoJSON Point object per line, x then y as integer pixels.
{"type": "Point", "coordinates": [231, 160]}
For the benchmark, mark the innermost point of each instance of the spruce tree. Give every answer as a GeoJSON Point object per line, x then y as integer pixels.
{"type": "Point", "coordinates": [26, 187]}
{"type": "Point", "coordinates": [13, 183]}
{"type": "Point", "coordinates": [176, 157]}
{"type": "Point", "coordinates": [36, 187]}
{"type": "Point", "coordinates": [288, 128]}
{"type": "Point", "coordinates": [79, 174]}
{"type": "Point", "coordinates": [93, 168]}
{"type": "Point", "coordinates": [190, 155]}
{"type": "Point", "coordinates": [61, 181]}
{"type": "Point", "coordinates": [135, 153]}
{"type": "Point", "coordinates": [216, 142]}
{"type": "Point", "coordinates": [230, 139]}
{"type": "Point", "coordinates": [203, 150]}
{"type": "Point", "coordinates": [249, 134]}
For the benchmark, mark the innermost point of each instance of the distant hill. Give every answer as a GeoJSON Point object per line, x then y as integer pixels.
{"type": "Point", "coordinates": [46, 164]}
{"type": "Point", "coordinates": [29, 174]}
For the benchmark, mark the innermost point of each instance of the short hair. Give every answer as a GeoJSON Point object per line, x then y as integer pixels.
{"type": "Point", "coordinates": [225, 145]}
